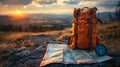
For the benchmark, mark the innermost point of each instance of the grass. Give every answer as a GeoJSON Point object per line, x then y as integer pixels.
{"type": "Point", "coordinates": [109, 35]}
{"type": "Point", "coordinates": [11, 42]}
{"type": "Point", "coordinates": [11, 36]}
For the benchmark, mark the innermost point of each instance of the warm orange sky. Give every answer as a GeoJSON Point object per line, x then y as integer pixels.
{"type": "Point", "coordinates": [54, 6]}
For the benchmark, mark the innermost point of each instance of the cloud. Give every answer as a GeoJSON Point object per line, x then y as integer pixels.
{"type": "Point", "coordinates": [108, 3]}
{"type": "Point", "coordinates": [15, 2]}
{"type": "Point", "coordinates": [86, 3]}
{"type": "Point", "coordinates": [53, 6]}
{"type": "Point", "coordinates": [45, 2]}
{"type": "Point", "coordinates": [72, 2]}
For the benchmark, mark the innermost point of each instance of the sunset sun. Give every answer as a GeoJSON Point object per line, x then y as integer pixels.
{"type": "Point", "coordinates": [18, 12]}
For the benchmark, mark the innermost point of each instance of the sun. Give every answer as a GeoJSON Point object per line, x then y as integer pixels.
{"type": "Point", "coordinates": [19, 12]}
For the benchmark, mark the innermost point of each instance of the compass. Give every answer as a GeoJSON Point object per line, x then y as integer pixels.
{"type": "Point", "coordinates": [101, 50]}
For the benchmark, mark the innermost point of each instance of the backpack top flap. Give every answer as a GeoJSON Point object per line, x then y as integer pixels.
{"type": "Point", "coordinates": [85, 13]}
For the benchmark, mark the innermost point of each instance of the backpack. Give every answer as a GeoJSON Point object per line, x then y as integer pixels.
{"type": "Point", "coordinates": [84, 28]}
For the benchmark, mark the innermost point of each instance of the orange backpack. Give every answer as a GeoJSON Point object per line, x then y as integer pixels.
{"type": "Point", "coordinates": [84, 28]}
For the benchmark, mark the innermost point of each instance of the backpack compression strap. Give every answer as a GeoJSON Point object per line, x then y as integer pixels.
{"type": "Point", "coordinates": [90, 29]}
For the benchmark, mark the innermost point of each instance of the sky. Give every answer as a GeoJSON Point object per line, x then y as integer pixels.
{"type": "Point", "coordinates": [54, 6]}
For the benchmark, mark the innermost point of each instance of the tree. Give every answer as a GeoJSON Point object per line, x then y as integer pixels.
{"type": "Point", "coordinates": [118, 11]}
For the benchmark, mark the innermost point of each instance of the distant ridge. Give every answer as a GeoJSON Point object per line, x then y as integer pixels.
{"type": "Point", "coordinates": [5, 19]}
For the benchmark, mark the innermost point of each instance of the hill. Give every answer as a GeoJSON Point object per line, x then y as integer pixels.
{"type": "Point", "coordinates": [27, 49]}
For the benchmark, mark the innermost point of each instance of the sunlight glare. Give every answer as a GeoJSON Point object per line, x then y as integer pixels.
{"type": "Point", "coordinates": [18, 12]}
{"type": "Point", "coordinates": [17, 15]}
